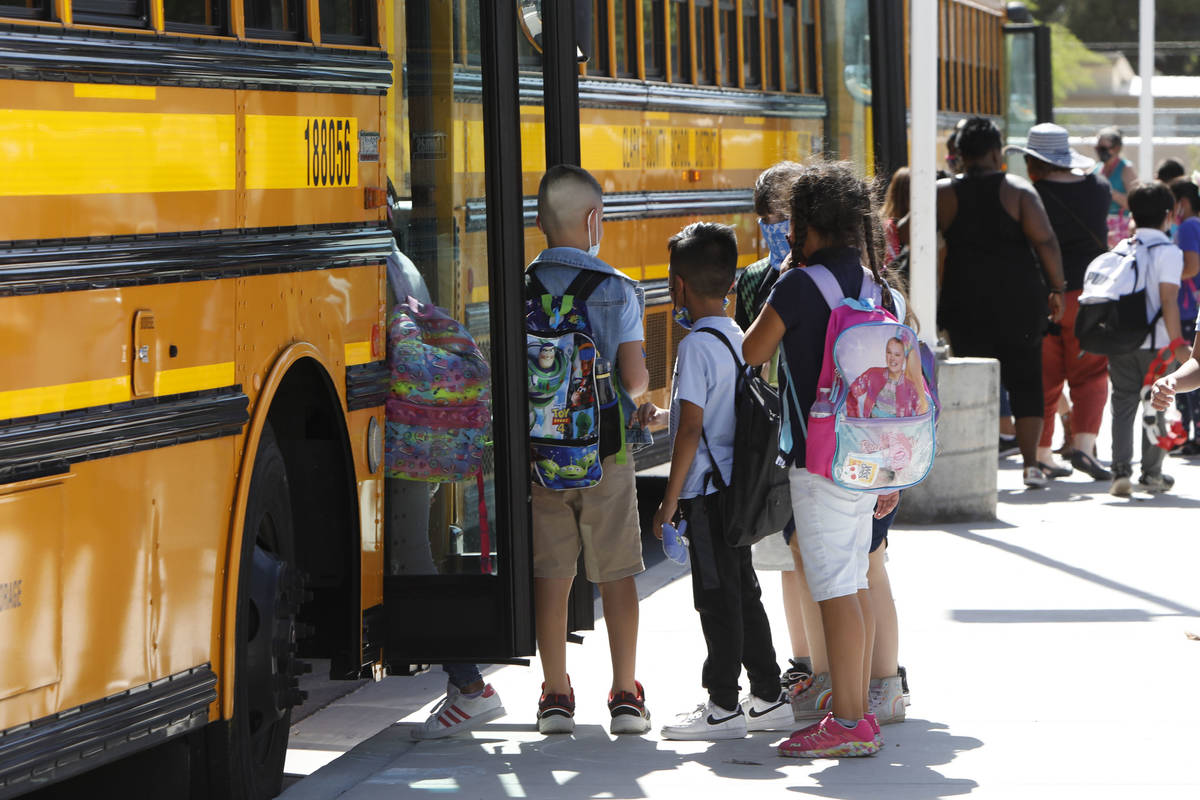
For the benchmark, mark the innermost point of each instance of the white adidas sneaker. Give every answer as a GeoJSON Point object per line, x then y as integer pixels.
{"type": "Point", "coordinates": [458, 713]}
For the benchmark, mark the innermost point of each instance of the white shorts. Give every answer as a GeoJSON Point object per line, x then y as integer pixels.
{"type": "Point", "coordinates": [833, 532]}
{"type": "Point", "coordinates": [772, 553]}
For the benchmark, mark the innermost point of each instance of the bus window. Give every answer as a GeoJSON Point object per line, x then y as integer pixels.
{"type": "Point", "coordinates": [727, 17]}
{"type": "Point", "coordinates": [706, 59]}
{"type": "Point", "coordinates": [771, 44]}
{"type": "Point", "coordinates": [808, 27]}
{"type": "Point", "coordinates": [273, 19]}
{"type": "Point", "coordinates": [466, 32]}
{"type": "Point", "coordinates": [624, 33]}
{"type": "Point", "coordinates": [599, 63]}
{"type": "Point", "coordinates": [751, 39]}
{"type": "Point", "coordinates": [28, 9]}
{"type": "Point", "coordinates": [199, 16]}
{"type": "Point", "coordinates": [122, 13]}
{"type": "Point", "coordinates": [680, 30]}
{"type": "Point", "coordinates": [856, 46]}
{"type": "Point", "coordinates": [791, 47]}
{"type": "Point", "coordinates": [345, 22]}
{"type": "Point", "coordinates": [654, 41]}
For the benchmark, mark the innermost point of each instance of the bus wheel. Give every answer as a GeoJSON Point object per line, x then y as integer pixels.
{"type": "Point", "coordinates": [245, 754]}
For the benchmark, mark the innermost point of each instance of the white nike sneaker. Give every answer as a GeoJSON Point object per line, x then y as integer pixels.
{"type": "Point", "coordinates": [458, 713]}
{"type": "Point", "coordinates": [707, 722]}
{"type": "Point", "coordinates": [769, 715]}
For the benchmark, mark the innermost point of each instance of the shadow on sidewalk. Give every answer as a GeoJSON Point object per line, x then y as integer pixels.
{"type": "Point", "coordinates": [513, 760]}
{"type": "Point", "coordinates": [908, 757]}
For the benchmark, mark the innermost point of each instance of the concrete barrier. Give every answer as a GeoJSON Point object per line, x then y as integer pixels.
{"type": "Point", "coordinates": [962, 485]}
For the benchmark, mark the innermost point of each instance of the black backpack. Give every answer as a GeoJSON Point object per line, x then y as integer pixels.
{"type": "Point", "coordinates": [757, 502]}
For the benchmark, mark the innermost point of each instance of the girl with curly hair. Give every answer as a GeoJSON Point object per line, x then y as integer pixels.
{"type": "Point", "coordinates": [832, 224]}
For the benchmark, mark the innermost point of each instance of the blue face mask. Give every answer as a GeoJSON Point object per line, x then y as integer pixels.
{"type": "Point", "coordinates": [684, 317]}
{"type": "Point", "coordinates": [775, 236]}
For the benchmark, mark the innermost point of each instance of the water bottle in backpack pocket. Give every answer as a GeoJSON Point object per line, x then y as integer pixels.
{"type": "Point", "coordinates": [566, 392]}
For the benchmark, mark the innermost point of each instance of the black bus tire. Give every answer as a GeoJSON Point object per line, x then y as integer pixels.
{"type": "Point", "coordinates": [242, 758]}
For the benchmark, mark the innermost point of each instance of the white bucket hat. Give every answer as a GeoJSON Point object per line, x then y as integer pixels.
{"type": "Point", "coordinates": [1049, 142]}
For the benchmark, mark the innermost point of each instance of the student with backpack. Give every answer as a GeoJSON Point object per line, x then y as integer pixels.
{"type": "Point", "coordinates": [584, 323]}
{"type": "Point", "coordinates": [832, 213]}
{"type": "Point", "coordinates": [772, 203]}
{"type": "Point", "coordinates": [725, 590]}
{"type": "Point", "coordinates": [1157, 264]}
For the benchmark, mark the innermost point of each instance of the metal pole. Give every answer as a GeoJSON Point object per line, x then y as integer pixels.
{"type": "Point", "coordinates": [1146, 101]}
{"type": "Point", "coordinates": [922, 224]}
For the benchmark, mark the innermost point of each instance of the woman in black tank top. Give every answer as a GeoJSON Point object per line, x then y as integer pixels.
{"type": "Point", "coordinates": [997, 294]}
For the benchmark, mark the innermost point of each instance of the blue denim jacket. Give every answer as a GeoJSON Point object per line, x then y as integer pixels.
{"type": "Point", "coordinates": [557, 267]}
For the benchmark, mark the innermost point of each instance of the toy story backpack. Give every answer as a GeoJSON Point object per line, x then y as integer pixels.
{"type": "Point", "coordinates": [438, 405]}
{"type": "Point", "coordinates": [872, 427]}
{"type": "Point", "coordinates": [568, 384]}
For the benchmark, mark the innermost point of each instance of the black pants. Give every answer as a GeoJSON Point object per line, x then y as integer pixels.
{"type": "Point", "coordinates": [725, 592]}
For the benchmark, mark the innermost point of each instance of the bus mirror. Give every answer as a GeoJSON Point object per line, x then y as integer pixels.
{"type": "Point", "coordinates": [529, 12]}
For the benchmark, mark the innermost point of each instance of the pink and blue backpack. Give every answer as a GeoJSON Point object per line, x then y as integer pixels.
{"type": "Point", "coordinates": [872, 427]}
{"type": "Point", "coordinates": [438, 405]}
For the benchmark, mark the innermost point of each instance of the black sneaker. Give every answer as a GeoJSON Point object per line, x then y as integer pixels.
{"type": "Point", "coordinates": [795, 676]}
{"type": "Point", "coordinates": [629, 714]}
{"type": "Point", "coordinates": [1008, 446]}
{"type": "Point", "coordinates": [1156, 484]}
{"type": "Point", "coordinates": [556, 713]}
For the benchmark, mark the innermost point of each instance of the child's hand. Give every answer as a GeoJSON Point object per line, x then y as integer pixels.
{"type": "Point", "coordinates": [1163, 393]}
{"type": "Point", "coordinates": [885, 504]}
{"type": "Point", "coordinates": [666, 513]}
{"type": "Point", "coordinates": [649, 414]}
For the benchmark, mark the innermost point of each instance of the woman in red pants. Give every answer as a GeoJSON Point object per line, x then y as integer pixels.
{"type": "Point", "coordinates": [1077, 204]}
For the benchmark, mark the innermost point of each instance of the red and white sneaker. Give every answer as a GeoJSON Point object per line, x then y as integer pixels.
{"type": "Point", "coordinates": [832, 739]}
{"type": "Point", "coordinates": [458, 713]}
{"type": "Point", "coordinates": [629, 713]}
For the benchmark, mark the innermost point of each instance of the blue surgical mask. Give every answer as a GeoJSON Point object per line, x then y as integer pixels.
{"type": "Point", "coordinates": [774, 234]}
{"type": "Point", "coordinates": [684, 317]}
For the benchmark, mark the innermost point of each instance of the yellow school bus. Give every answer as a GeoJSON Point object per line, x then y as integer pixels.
{"type": "Point", "coordinates": [191, 333]}
{"type": "Point", "coordinates": [194, 232]}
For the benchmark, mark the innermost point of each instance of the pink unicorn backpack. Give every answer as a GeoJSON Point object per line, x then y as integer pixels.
{"type": "Point", "coordinates": [872, 427]}
{"type": "Point", "coordinates": [438, 405]}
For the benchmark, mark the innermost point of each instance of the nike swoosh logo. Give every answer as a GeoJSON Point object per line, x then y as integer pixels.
{"type": "Point", "coordinates": [756, 714]}
{"type": "Point", "coordinates": [713, 721]}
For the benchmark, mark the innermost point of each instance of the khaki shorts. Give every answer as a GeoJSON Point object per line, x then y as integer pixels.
{"type": "Point", "coordinates": [602, 520]}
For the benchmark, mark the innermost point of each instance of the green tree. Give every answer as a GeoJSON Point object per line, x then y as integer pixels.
{"type": "Point", "coordinates": [1117, 21]}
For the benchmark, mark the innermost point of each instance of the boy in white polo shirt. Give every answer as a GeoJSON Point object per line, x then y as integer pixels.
{"type": "Point", "coordinates": [1151, 205]}
{"type": "Point", "coordinates": [725, 589]}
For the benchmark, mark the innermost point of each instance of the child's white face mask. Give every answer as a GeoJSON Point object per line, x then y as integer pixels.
{"type": "Point", "coordinates": [594, 247]}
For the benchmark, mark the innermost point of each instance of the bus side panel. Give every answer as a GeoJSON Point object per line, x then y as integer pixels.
{"type": "Point", "coordinates": [149, 160]}
{"type": "Point", "coordinates": [302, 158]}
{"type": "Point", "coordinates": [140, 533]}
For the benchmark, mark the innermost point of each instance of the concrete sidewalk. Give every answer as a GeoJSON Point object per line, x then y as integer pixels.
{"type": "Point", "coordinates": [1046, 653]}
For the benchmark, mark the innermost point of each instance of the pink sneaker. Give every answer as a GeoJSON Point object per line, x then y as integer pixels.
{"type": "Point", "coordinates": [831, 739]}
{"type": "Point", "coordinates": [874, 723]}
